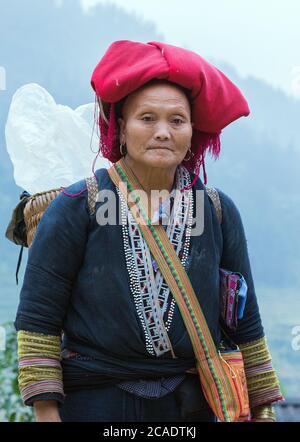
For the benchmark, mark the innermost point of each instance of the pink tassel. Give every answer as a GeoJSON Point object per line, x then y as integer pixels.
{"type": "Point", "coordinates": [201, 143]}
{"type": "Point", "coordinates": [108, 136]}
{"type": "Point", "coordinates": [72, 195]}
{"type": "Point", "coordinates": [111, 133]}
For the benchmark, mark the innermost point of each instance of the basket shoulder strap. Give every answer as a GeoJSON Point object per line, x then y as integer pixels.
{"type": "Point", "coordinates": [214, 196]}
{"type": "Point", "coordinates": [92, 186]}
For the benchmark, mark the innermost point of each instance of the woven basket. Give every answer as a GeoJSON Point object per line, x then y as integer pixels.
{"type": "Point", "coordinates": [34, 210]}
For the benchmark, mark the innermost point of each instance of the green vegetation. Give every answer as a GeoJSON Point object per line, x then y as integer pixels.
{"type": "Point", "coordinates": [11, 404]}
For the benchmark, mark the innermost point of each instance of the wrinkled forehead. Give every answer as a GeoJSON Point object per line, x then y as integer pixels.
{"type": "Point", "coordinates": [138, 96]}
{"type": "Point", "coordinates": [154, 93]}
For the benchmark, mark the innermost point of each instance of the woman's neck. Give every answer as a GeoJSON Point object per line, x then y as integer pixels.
{"type": "Point", "coordinates": [152, 178]}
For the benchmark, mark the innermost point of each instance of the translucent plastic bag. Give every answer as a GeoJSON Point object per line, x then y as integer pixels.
{"type": "Point", "coordinates": [48, 143]}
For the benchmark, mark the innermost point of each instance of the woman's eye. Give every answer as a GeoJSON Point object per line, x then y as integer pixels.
{"type": "Point", "coordinates": [178, 120]}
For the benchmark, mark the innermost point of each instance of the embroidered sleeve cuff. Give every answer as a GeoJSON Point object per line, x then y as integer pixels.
{"type": "Point", "coordinates": [40, 370]}
{"type": "Point", "coordinates": [262, 381]}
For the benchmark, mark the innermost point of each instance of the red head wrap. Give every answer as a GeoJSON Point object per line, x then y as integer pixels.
{"type": "Point", "coordinates": [128, 65]}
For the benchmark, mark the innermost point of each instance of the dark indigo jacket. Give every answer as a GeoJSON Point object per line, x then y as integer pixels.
{"type": "Point", "coordinates": [76, 280]}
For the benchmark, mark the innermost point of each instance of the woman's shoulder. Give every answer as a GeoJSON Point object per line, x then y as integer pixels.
{"type": "Point", "coordinates": [231, 216]}
{"type": "Point", "coordinates": [72, 199]}
{"type": "Point", "coordinates": [223, 202]}
{"type": "Point", "coordinates": [226, 200]}
{"type": "Point", "coordinates": [79, 193]}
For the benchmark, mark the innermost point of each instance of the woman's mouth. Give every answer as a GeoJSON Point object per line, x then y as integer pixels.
{"type": "Point", "coordinates": [159, 147]}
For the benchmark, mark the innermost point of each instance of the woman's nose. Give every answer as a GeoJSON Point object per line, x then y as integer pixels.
{"type": "Point", "coordinates": [162, 132]}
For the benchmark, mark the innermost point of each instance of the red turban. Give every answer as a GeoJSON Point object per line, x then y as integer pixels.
{"type": "Point", "coordinates": [216, 101]}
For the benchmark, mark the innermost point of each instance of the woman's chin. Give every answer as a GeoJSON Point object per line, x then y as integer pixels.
{"type": "Point", "coordinates": [160, 158]}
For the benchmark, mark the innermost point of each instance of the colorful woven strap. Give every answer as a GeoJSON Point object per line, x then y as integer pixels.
{"type": "Point", "coordinates": [216, 385]}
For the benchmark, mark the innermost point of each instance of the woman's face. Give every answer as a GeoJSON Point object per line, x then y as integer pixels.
{"type": "Point", "coordinates": [156, 125]}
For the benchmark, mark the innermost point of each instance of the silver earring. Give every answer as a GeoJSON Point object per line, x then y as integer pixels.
{"type": "Point", "coordinates": [191, 154]}
{"type": "Point", "coordinates": [121, 149]}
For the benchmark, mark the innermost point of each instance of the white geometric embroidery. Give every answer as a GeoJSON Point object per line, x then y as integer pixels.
{"type": "Point", "coordinates": [151, 294]}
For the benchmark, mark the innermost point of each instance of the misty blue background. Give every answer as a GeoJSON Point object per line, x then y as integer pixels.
{"type": "Point", "coordinates": [58, 47]}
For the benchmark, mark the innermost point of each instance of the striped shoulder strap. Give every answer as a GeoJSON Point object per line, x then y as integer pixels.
{"type": "Point", "coordinates": [214, 196]}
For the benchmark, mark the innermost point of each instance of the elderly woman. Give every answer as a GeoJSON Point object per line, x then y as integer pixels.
{"type": "Point", "coordinates": [127, 353]}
